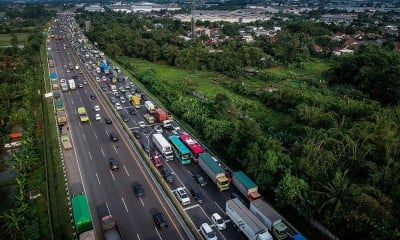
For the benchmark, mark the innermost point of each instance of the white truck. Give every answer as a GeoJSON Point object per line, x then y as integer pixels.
{"type": "Point", "coordinates": [71, 83]}
{"type": "Point", "coordinates": [270, 218]}
{"type": "Point", "coordinates": [149, 106]}
{"type": "Point", "coordinates": [247, 222]}
{"type": "Point", "coordinates": [163, 146]}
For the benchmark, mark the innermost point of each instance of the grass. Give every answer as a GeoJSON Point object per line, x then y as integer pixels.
{"type": "Point", "coordinates": [5, 39]}
{"type": "Point", "coordinates": [58, 197]}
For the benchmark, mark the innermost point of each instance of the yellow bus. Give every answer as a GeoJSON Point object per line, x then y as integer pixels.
{"type": "Point", "coordinates": [82, 114]}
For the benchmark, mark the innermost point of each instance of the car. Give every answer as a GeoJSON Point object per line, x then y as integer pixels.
{"type": "Point", "coordinates": [74, 77]}
{"type": "Point", "coordinates": [157, 161]}
{"type": "Point", "coordinates": [132, 111]}
{"type": "Point", "coordinates": [199, 179]}
{"type": "Point", "coordinates": [97, 79]}
{"type": "Point", "coordinates": [66, 142]}
{"type": "Point", "coordinates": [182, 196]}
{"type": "Point", "coordinates": [98, 117]}
{"type": "Point", "coordinates": [114, 165]}
{"type": "Point", "coordinates": [146, 146]}
{"type": "Point", "coordinates": [158, 129]}
{"type": "Point", "coordinates": [127, 86]}
{"type": "Point", "coordinates": [85, 82]}
{"type": "Point", "coordinates": [142, 124]}
{"type": "Point", "coordinates": [167, 174]}
{"type": "Point", "coordinates": [137, 135]}
{"type": "Point", "coordinates": [92, 96]}
{"type": "Point", "coordinates": [58, 50]}
{"type": "Point", "coordinates": [96, 108]}
{"type": "Point", "coordinates": [118, 106]}
{"type": "Point", "coordinates": [113, 137]}
{"type": "Point", "coordinates": [80, 72]}
{"type": "Point", "coordinates": [138, 190]}
{"type": "Point", "coordinates": [124, 117]}
{"type": "Point", "coordinates": [107, 120]}
{"type": "Point", "coordinates": [122, 99]}
{"type": "Point", "coordinates": [80, 85]}
{"type": "Point", "coordinates": [113, 99]}
{"type": "Point", "coordinates": [218, 221]}
{"type": "Point", "coordinates": [160, 221]}
{"type": "Point", "coordinates": [207, 232]}
{"type": "Point", "coordinates": [68, 70]}
{"type": "Point", "coordinates": [196, 195]}
{"type": "Point", "coordinates": [175, 126]}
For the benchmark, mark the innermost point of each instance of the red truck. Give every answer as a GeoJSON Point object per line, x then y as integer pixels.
{"type": "Point", "coordinates": [160, 115]}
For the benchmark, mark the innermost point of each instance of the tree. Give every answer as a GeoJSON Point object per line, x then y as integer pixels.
{"type": "Point", "coordinates": [292, 190]}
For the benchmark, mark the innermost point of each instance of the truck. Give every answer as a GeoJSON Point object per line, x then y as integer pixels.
{"type": "Point", "coordinates": [163, 146]}
{"type": "Point", "coordinates": [110, 228]}
{"type": "Point", "coordinates": [214, 171]}
{"type": "Point", "coordinates": [246, 222]}
{"type": "Point", "coordinates": [149, 118]}
{"type": "Point", "coordinates": [53, 76]}
{"type": "Point", "coordinates": [51, 63]}
{"type": "Point", "coordinates": [59, 104]}
{"type": "Point", "coordinates": [245, 185]}
{"type": "Point", "coordinates": [61, 118]}
{"type": "Point", "coordinates": [82, 218]}
{"type": "Point", "coordinates": [136, 100]}
{"type": "Point", "coordinates": [64, 86]}
{"type": "Point", "coordinates": [104, 68]}
{"type": "Point", "coordinates": [270, 218]}
{"type": "Point", "coordinates": [56, 94]}
{"type": "Point", "coordinates": [160, 115]}
{"type": "Point", "coordinates": [71, 84]}
{"type": "Point", "coordinates": [149, 106]}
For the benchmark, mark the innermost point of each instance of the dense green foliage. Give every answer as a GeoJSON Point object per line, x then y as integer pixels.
{"type": "Point", "coordinates": [317, 141]}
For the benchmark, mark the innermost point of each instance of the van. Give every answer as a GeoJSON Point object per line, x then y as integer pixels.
{"type": "Point", "coordinates": [207, 232]}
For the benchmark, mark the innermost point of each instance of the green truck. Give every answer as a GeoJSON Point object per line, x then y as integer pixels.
{"type": "Point", "coordinates": [82, 217]}
{"type": "Point", "coordinates": [59, 104]}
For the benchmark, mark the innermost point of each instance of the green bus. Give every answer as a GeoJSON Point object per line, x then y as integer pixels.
{"type": "Point", "coordinates": [81, 213]}
{"type": "Point", "coordinates": [182, 153]}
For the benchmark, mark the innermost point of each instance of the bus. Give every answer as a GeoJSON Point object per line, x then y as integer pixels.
{"type": "Point", "coordinates": [82, 114]}
{"type": "Point", "coordinates": [193, 145]}
{"type": "Point", "coordinates": [182, 153]}
{"type": "Point", "coordinates": [82, 218]}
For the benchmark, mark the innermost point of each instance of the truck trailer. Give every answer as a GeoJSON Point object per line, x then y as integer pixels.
{"type": "Point", "coordinates": [245, 185]}
{"type": "Point", "coordinates": [270, 218]}
{"type": "Point", "coordinates": [246, 222]}
{"type": "Point", "coordinates": [214, 171]}
{"type": "Point", "coordinates": [110, 228]}
{"type": "Point", "coordinates": [163, 146]}
{"type": "Point", "coordinates": [82, 217]}
{"type": "Point", "coordinates": [150, 106]}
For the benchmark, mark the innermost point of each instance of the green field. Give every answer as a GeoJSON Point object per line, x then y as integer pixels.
{"type": "Point", "coordinates": [5, 39]}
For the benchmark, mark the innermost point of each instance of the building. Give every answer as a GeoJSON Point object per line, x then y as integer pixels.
{"type": "Point", "coordinates": [94, 8]}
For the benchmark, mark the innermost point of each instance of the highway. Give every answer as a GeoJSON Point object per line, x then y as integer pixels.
{"type": "Point", "coordinates": [108, 191]}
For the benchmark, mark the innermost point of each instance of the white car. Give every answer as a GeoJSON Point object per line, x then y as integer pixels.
{"type": "Point", "coordinates": [63, 80]}
{"type": "Point", "coordinates": [96, 108]}
{"type": "Point", "coordinates": [142, 124]}
{"type": "Point", "coordinates": [207, 232]}
{"type": "Point", "coordinates": [97, 79]}
{"type": "Point", "coordinates": [122, 99]}
{"type": "Point", "coordinates": [158, 129]}
{"type": "Point", "coordinates": [98, 118]}
{"type": "Point", "coordinates": [175, 126]}
{"type": "Point", "coordinates": [118, 106]}
{"type": "Point", "coordinates": [218, 221]}
{"type": "Point", "coordinates": [182, 196]}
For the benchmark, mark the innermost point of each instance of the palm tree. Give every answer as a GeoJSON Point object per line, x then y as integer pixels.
{"type": "Point", "coordinates": [337, 192]}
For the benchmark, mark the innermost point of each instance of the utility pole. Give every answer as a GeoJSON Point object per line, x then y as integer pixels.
{"type": "Point", "coordinates": [193, 20]}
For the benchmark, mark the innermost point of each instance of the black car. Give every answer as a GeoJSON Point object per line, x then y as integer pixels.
{"type": "Point", "coordinates": [137, 134]}
{"type": "Point", "coordinates": [197, 196]}
{"type": "Point", "coordinates": [199, 179]}
{"type": "Point", "coordinates": [92, 96]}
{"type": "Point", "coordinates": [167, 174]}
{"type": "Point", "coordinates": [160, 221]}
{"type": "Point", "coordinates": [113, 137]}
{"type": "Point", "coordinates": [138, 190]}
{"type": "Point", "coordinates": [145, 146]}
{"type": "Point", "coordinates": [114, 165]}
{"type": "Point", "coordinates": [124, 117]}
{"type": "Point", "coordinates": [107, 120]}
{"type": "Point", "coordinates": [132, 111]}
{"type": "Point", "coordinates": [74, 76]}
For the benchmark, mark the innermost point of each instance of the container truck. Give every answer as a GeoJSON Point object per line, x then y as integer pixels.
{"type": "Point", "coordinates": [245, 185]}
{"type": "Point", "coordinates": [249, 224]}
{"type": "Point", "coordinates": [149, 118]}
{"type": "Point", "coordinates": [110, 228]}
{"type": "Point", "coordinates": [149, 106]}
{"type": "Point", "coordinates": [59, 104]}
{"type": "Point", "coordinates": [136, 100]}
{"type": "Point", "coordinates": [214, 171]}
{"type": "Point", "coordinates": [82, 217]}
{"type": "Point", "coordinates": [71, 84]}
{"type": "Point", "coordinates": [163, 146]}
{"type": "Point", "coordinates": [270, 218]}
{"type": "Point", "coordinates": [104, 68]}
{"type": "Point", "coordinates": [160, 115]}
